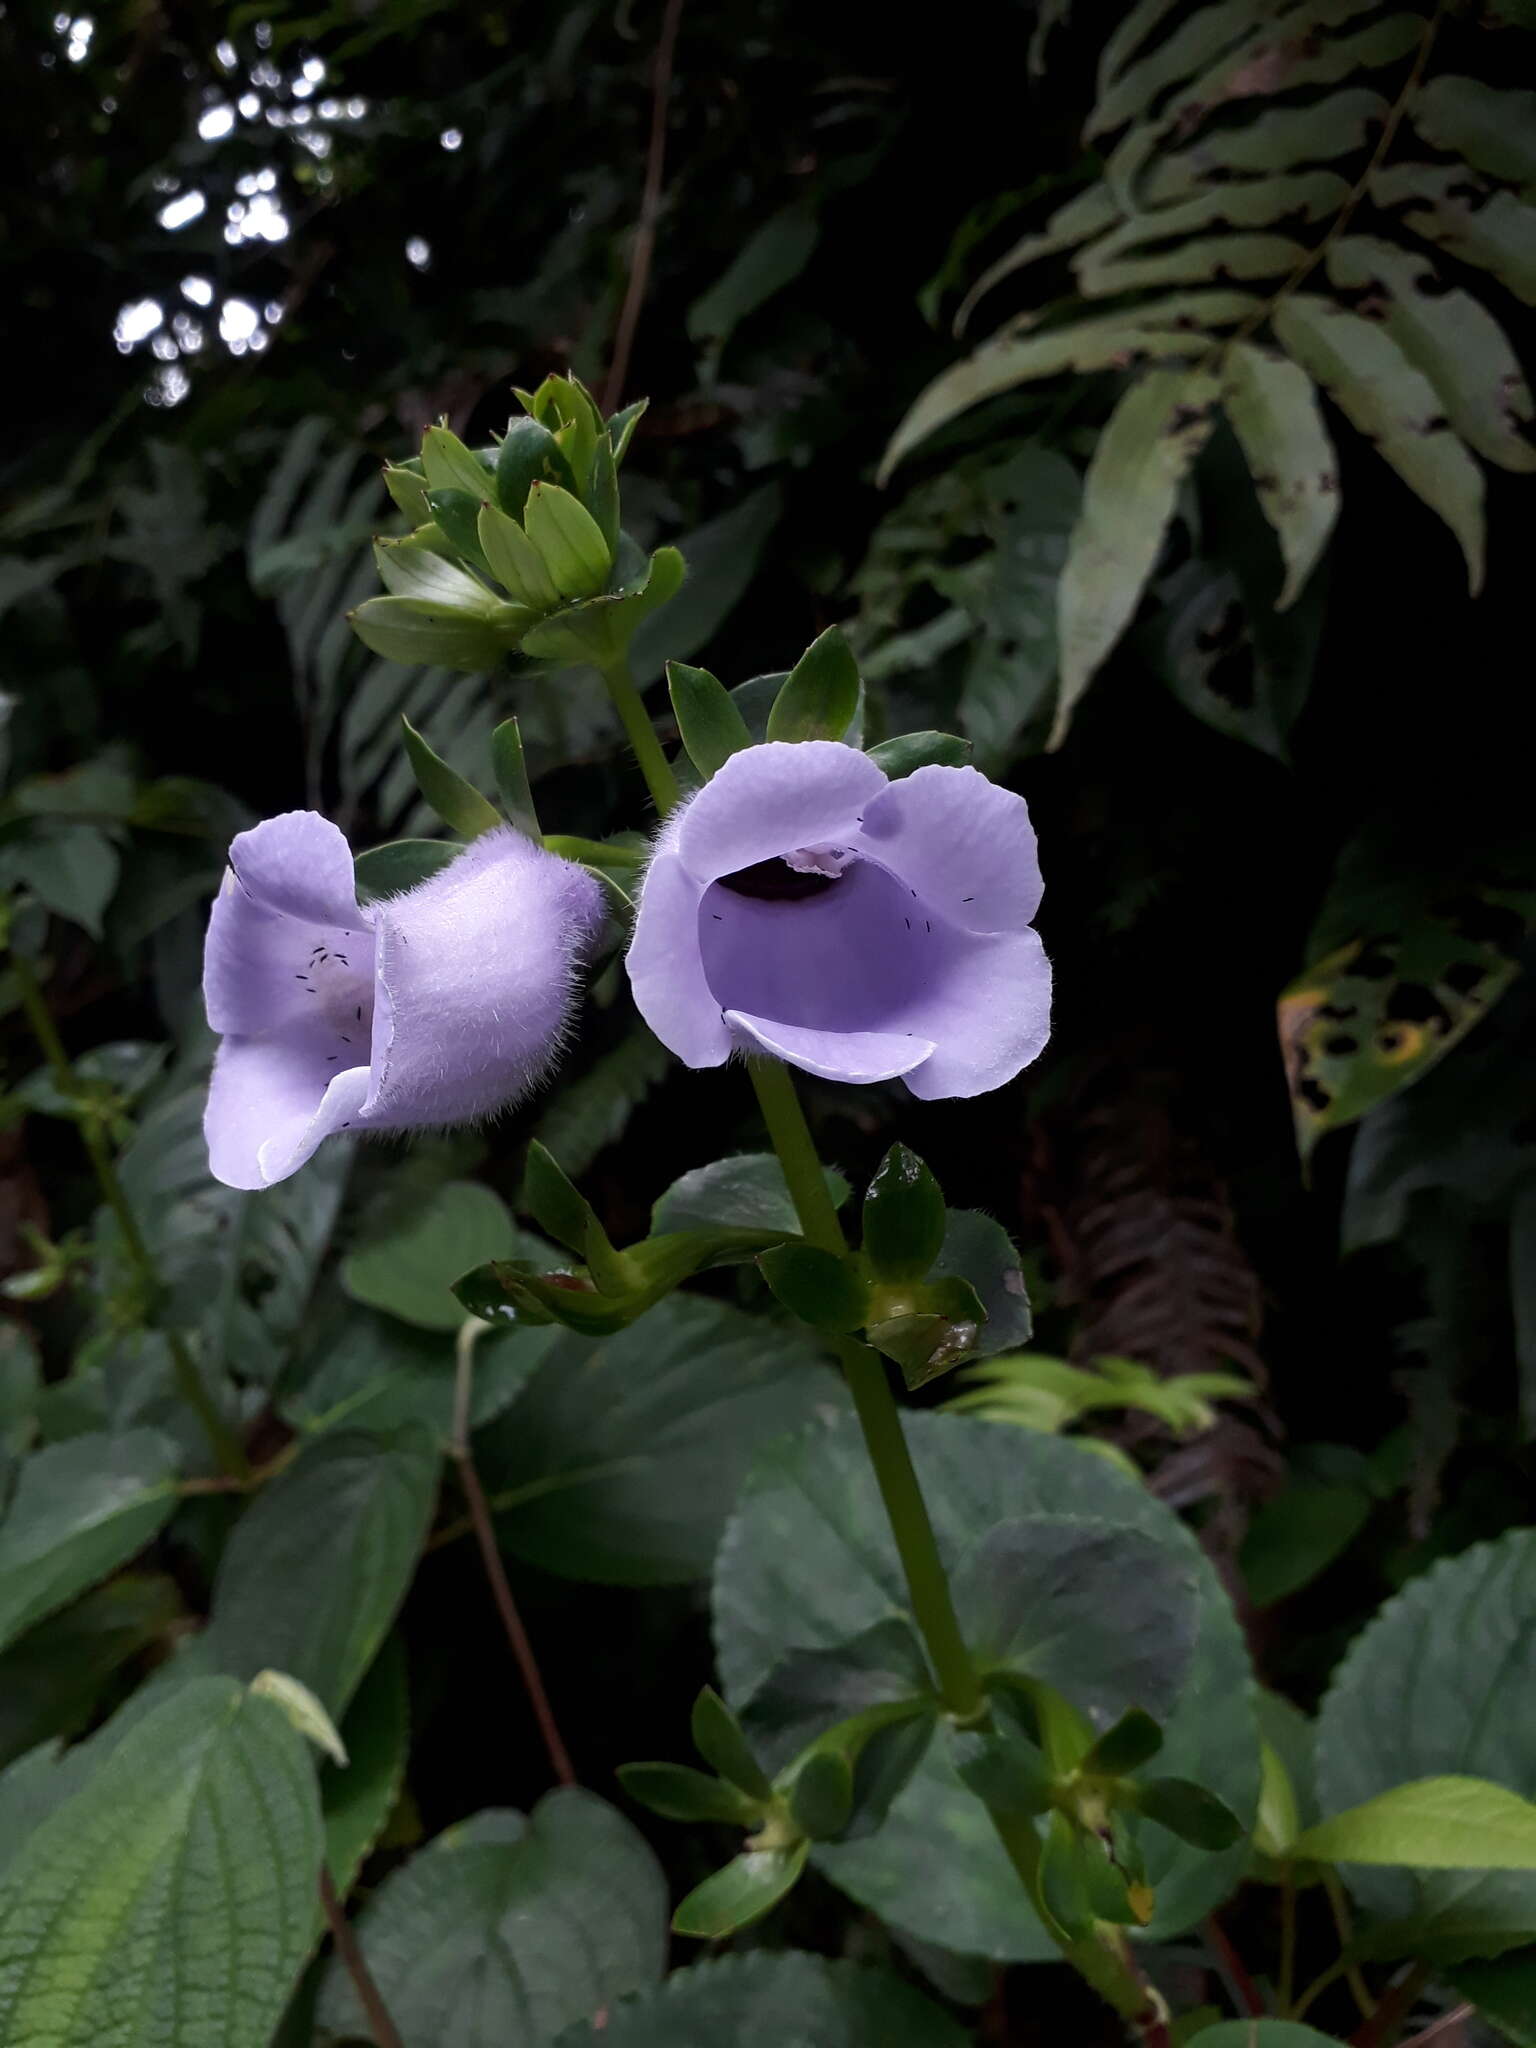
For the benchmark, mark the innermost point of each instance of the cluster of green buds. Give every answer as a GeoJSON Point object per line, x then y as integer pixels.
{"type": "Point", "coordinates": [516, 551]}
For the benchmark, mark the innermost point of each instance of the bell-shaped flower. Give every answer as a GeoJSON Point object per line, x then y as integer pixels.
{"type": "Point", "coordinates": [432, 1007]}
{"type": "Point", "coordinates": [804, 906]}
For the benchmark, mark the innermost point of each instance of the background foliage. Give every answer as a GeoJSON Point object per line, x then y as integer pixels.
{"type": "Point", "coordinates": [1212, 546]}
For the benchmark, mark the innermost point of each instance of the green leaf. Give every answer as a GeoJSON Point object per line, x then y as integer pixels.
{"type": "Point", "coordinates": [718, 1738]}
{"type": "Point", "coordinates": [1437, 1685]}
{"type": "Point", "coordinates": [514, 560]}
{"type": "Point", "coordinates": [747, 1888]}
{"type": "Point", "coordinates": [620, 1461]}
{"type": "Point", "coordinates": [529, 455]}
{"type": "Point", "coordinates": [51, 1681]}
{"type": "Point", "coordinates": [1342, 124]}
{"type": "Point", "coordinates": [1431, 1824]}
{"type": "Point", "coordinates": [928, 1329]}
{"type": "Point", "coordinates": [72, 870]}
{"type": "Point", "coordinates": [357, 1798]}
{"type": "Point", "coordinates": [1449, 336]}
{"type": "Point", "coordinates": [303, 1711]}
{"type": "Point", "coordinates": [721, 558]}
{"type": "Point", "coordinates": [1263, 2034]}
{"type": "Point", "coordinates": [1106, 1616]}
{"type": "Point", "coordinates": [568, 539]}
{"type": "Point", "coordinates": [806, 1563]}
{"type": "Point", "coordinates": [1272, 405]}
{"type": "Point", "coordinates": [1504, 1993]}
{"type": "Point", "coordinates": [598, 630]}
{"type": "Point", "coordinates": [402, 864]}
{"type": "Point", "coordinates": [978, 1250]}
{"type": "Point", "coordinates": [315, 1571]}
{"type": "Point", "coordinates": [747, 1192]}
{"type": "Point", "coordinates": [553, 1201]}
{"type": "Point", "coordinates": [811, 1694]}
{"type": "Point", "coordinates": [369, 1371]}
{"type": "Point", "coordinates": [1128, 88]}
{"type": "Point", "coordinates": [1493, 129]}
{"type": "Point", "coordinates": [409, 1271]}
{"type": "Point", "coordinates": [678, 1793]}
{"type": "Point", "coordinates": [821, 694]}
{"type": "Point", "coordinates": [134, 1898]}
{"type": "Point", "coordinates": [821, 1795]}
{"type": "Point", "coordinates": [1364, 370]}
{"type": "Point", "coordinates": [914, 750]}
{"type": "Point", "coordinates": [772, 256]}
{"type": "Point", "coordinates": [904, 1217]}
{"type": "Point", "coordinates": [511, 770]}
{"type": "Point", "coordinates": [1004, 1767]}
{"type": "Point", "coordinates": [449, 466]}
{"type": "Point", "coordinates": [592, 1112]}
{"type": "Point", "coordinates": [462, 808]}
{"type": "Point", "coordinates": [400, 630]}
{"type": "Point", "coordinates": [410, 571]}
{"type": "Point", "coordinates": [408, 489]}
{"type": "Point", "coordinates": [509, 1928]}
{"type": "Point", "coordinates": [1190, 1812]}
{"type": "Point", "coordinates": [1129, 1743]}
{"type": "Point", "coordinates": [622, 425]}
{"type": "Point", "coordinates": [1129, 495]}
{"type": "Point", "coordinates": [1299, 1533]}
{"type": "Point", "coordinates": [728, 2001]}
{"type": "Point", "coordinates": [81, 1508]}
{"type": "Point", "coordinates": [824, 1289]}
{"type": "Point", "coordinates": [708, 723]}
{"type": "Point", "coordinates": [455, 531]}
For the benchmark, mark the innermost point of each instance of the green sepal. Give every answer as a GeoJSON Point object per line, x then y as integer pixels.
{"type": "Point", "coordinates": [904, 1217]}
{"type": "Point", "coordinates": [515, 562]}
{"type": "Point", "coordinates": [1105, 1886]}
{"type": "Point", "coordinates": [821, 1794]}
{"type": "Point", "coordinates": [511, 770]}
{"type": "Point", "coordinates": [449, 466]}
{"type": "Point", "coordinates": [621, 427]}
{"type": "Point", "coordinates": [402, 630]}
{"type": "Point", "coordinates": [708, 723]}
{"type": "Point", "coordinates": [409, 492]}
{"type": "Point", "coordinates": [1188, 1811]}
{"type": "Point", "coordinates": [1064, 1732]}
{"type": "Point", "coordinates": [567, 400]}
{"type": "Point", "coordinates": [937, 1329]}
{"type": "Point", "coordinates": [553, 1200]}
{"type": "Point", "coordinates": [1063, 1880]}
{"type": "Point", "coordinates": [399, 865]}
{"type": "Point", "coordinates": [742, 1892]}
{"type": "Point", "coordinates": [912, 750]}
{"type": "Point", "coordinates": [458, 803]}
{"type": "Point", "coordinates": [677, 1792]}
{"type": "Point", "coordinates": [820, 1287]}
{"type": "Point", "coordinates": [718, 1738]}
{"type": "Point", "coordinates": [820, 694]}
{"type": "Point", "coordinates": [1133, 1741]}
{"type": "Point", "coordinates": [1008, 1772]}
{"type": "Point", "coordinates": [601, 495]}
{"type": "Point", "coordinates": [569, 541]}
{"type": "Point", "coordinates": [407, 569]}
{"type": "Point", "coordinates": [458, 517]}
{"type": "Point", "coordinates": [528, 455]}
{"type": "Point", "coordinates": [511, 1289]}
{"type": "Point", "coordinates": [599, 629]}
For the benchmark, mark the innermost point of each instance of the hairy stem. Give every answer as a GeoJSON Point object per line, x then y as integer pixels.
{"type": "Point", "coordinates": [382, 2028]}
{"type": "Point", "coordinates": [641, 734]}
{"type": "Point", "coordinates": [490, 1556]}
{"type": "Point", "coordinates": [189, 1381]}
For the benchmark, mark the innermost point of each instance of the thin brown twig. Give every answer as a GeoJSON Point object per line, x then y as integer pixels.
{"type": "Point", "coordinates": [490, 1557]}
{"type": "Point", "coordinates": [1389, 2015]}
{"type": "Point", "coordinates": [1339, 1906]}
{"type": "Point", "coordinates": [384, 2031]}
{"type": "Point", "coordinates": [1234, 1969]}
{"type": "Point", "coordinates": [650, 208]}
{"type": "Point", "coordinates": [1456, 2017]}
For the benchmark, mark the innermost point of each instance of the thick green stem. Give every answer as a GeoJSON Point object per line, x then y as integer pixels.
{"type": "Point", "coordinates": [641, 734]}
{"type": "Point", "coordinates": [189, 1381]}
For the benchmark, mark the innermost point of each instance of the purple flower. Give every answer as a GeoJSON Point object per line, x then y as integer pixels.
{"type": "Point", "coordinates": [803, 905]}
{"type": "Point", "coordinates": [431, 1007]}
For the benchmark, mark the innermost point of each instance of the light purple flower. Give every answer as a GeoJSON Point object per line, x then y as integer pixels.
{"type": "Point", "coordinates": [803, 905]}
{"type": "Point", "coordinates": [432, 1007]}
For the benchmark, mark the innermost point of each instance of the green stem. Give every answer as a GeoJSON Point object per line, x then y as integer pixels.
{"type": "Point", "coordinates": [641, 734]}
{"type": "Point", "coordinates": [189, 1381]}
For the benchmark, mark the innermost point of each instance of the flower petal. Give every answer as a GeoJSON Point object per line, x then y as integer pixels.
{"type": "Point", "coordinates": [270, 1103]}
{"type": "Point", "coordinates": [853, 1056]}
{"type": "Point", "coordinates": [666, 969]}
{"type": "Point", "coordinates": [299, 864]}
{"type": "Point", "coordinates": [476, 980]}
{"type": "Point", "coordinates": [966, 846]}
{"type": "Point", "coordinates": [989, 1015]}
{"type": "Point", "coordinates": [771, 800]}
{"type": "Point", "coordinates": [259, 965]}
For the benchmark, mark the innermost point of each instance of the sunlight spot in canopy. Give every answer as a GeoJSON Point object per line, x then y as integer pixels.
{"type": "Point", "coordinates": [176, 213]}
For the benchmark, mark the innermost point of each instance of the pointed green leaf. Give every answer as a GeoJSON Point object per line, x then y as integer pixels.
{"type": "Point", "coordinates": [601, 496]}
{"type": "Point", "coordinates": [821, 695]}
{"type": "Point", "coordinates": [569, 541]}
{"type": "Point", "coordinates": [401, 631]}
{"type": "Point", "coordinates": [821, 1795]}
{"type": "Point", "coordinates": [742, 1892]}
{"type": "Point", "coordinates": [708, 723]}
{"type": "Point", "coordinates": [514, 561]}
{"type": "Point", "coordinates": [530, 454]}
{"type": "Point", "coordinates": [1142, 457]}
{"type": "Point", "coordinates": [938, 1324]}
{"type": "Point", "coordinates": [1368, 376]}
{"type": "Point", "coordinates": [718, 1738]}
{"type": "Point", "coordinates": [915, 750]}
{"type": "Point", "coordinates": [409, 491]}
{"type": "Point", "coordinates": [1132, 1741]}
{"type": "Point", "coordinates": [678, 1793]}
{"type": "Point", "coordinates": [449, 466]}
{"type": "Point", "coordinates": [747, 1191]}
{"type": "Point", "coordinates": [1272, 405]}
{"type": "Point", "coordinates": [402, 864]}
{"type": "Point", "coordinates": [904, 1217]}
{"type": "Point", "coordinates": [511, 770]}
{"type": "Point", "coordinates": [1492, 230]}
{"type": "Point", "coordinates": [457, 517]}
{"type": "Point", "coordinates": [407, 1267]}
{"type": "Point", "coordinates": [1190, 1812]}
{"type": "Point", "coordinates": [408, 571]}
{"type": "Point", "coordinates": [621, 427]}
{"type": "Point", "coordinates": [1492, 128]}
{"type": "Point", "coordinates": [357, 1800]}
{"type": "Point", "coordinates": [460, 806]}
{"type": "Point", "coordinates": [821, 1288]}
{"type": "Point", "coordinates": [1431, 1824]}
{"type": "Point", "coordinates": [305, 1712]}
